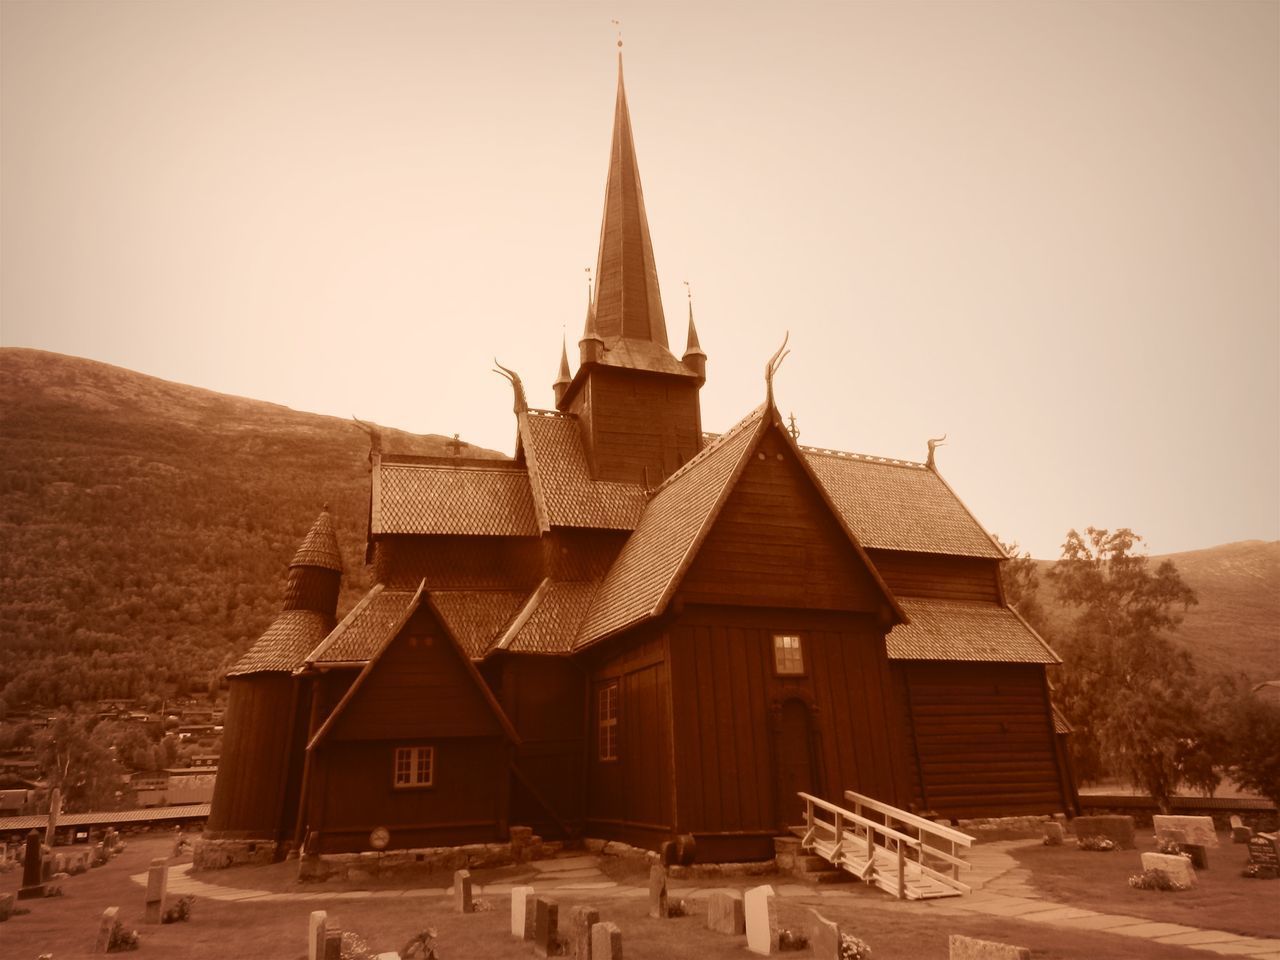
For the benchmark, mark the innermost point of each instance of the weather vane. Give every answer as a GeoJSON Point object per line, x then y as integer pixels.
{"type": "Point", "coordinates": [618, 24]}
{"type": "Point", "coordinates": [688, 289]}
{"type": "Point", "coordinates": [590, 292]}
{"type": "Point", "coordinates": [793, 429]}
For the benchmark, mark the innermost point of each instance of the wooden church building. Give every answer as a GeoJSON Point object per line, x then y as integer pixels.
{"type": "Point", "coordinates": [634, 629]}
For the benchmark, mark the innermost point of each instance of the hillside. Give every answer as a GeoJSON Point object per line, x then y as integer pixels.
{"type": "Point", "coordinates": [1235, 628]}
{"type": "Point", "coordinates": [145, 526]}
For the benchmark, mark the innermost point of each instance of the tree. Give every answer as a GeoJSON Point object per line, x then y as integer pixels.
{"type": "Point", "coordinates": [1020, 579]}
{"type": "Point", "coordinates": [78, 764]}
{"type": "Point", "coordinates": [1132, 695]}
{"type": "Point", "coordinates": [1252, 742]}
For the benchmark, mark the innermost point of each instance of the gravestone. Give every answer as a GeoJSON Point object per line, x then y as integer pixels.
{"type": "Point", "coordinates": [462, 901]}
{"type": "Point", "coordinates": [659, 907]}
{"type": "Point", "coordinates": [1239, 832]}
{"type": "Point", "coordinates": [315, 934]}
{"type": "Point", "coordinates": [824, 937]}
{"type": "Point", "coordinates": [332, 944]}
{"type": "Point", "coordinates": [1053, 833]}
{"type": "Point", "coordinates": [1197, 830]}
{"type": "Point", "coordinates": [725, 913]}
{"type": "Point", "coordinates": [6, 906]}
{"type": "Point", "coordinates": [1174, 866]}
{"type": "Point", "coordinates": [581, 920]}
{"type": "Point", "coordinates": [389, 955]}
{"type": "Point", "coordinates": [762, 920]}
{"type": "Point", "coordinates": [521, 915]}
{"type": "Point", "coordinates": [606, 941]}
{"type": "Point", "coordinates": [967, 948]}
{"type": "Point", "coordinates": [157, 887]}
{"type": "Point", "coordinates": [546, 920]}
{"type": "Point", "coordinates": [1118, 829]}
{"type": "Point", "coordinates": [1199, 854]}
{"type": "Point", "coordinates": [32, 869]}
{"type": "Point", "coordinates": [105, 926]}
{"type": "Point", "coordinates": [1264, 855]}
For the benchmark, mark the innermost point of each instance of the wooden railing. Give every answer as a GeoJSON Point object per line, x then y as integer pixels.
{"type": "Point", "coordinates": [851, 839]}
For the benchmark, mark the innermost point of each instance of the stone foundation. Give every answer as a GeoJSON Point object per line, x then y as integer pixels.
{"type": "Point", "coordinates": [365, 866]}
{"type": "Point", "coordinates": [988, 829]}
{"type": "Point", "coordinates": [220, 854]}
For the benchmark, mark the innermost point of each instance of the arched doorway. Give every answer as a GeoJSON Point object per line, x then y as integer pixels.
{"type": "Point", "coordinates": [795, 767]}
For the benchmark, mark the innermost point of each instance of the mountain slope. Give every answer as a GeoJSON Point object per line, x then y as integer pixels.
{"type": "Point", "coordinates": [145, 526]}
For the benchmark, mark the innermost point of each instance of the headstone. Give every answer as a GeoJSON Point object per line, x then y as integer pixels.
{"type": "Point", "coordinates": [105, 926]}
{"type": "Point", "coordinates": [762, 920]}
{"type": "Point", "coordinates": [6, 906]}
{"type": "Point", "coordinates": [1264, 854]}
{"type": "Point", "coordinates": [606, 941]}
{"type": "Point", "coordinates": [1174, 866]}
{"type": "Point", "coordinates": [315, 934]}
{"type": "Point", "coordinates": [658, 906]}
{"type": "Point", "coordinates": [1239, 832]}
{"type": "Point", "coordinates": [157, 886]}
{"type": "Point", "coordinates": [32, 869]}
{"type": "Point", "coordinates": [521, 898]}
{"type": "Point", "coordinates": [1116, 828]}
{"type": "Point", "coordinates": [332, 944]}
{"type": "Point", "coordinates": [824, 938]}
{"type": "Point", "coordinates": [1198, 830]}
{"type": "Point", "coordinates": [389, 955]}
{"type": "Point", "coordinates": [967, 948]}
{"type": "Point", "coordinates": [725, 913]}
{"type": "Point", "coordinates": [581, 920]}
{"type": "Point", "coordinates": [545, 933]}
{"type": "Point", "coordinates": [1053, 833]}
{"type": "Point", "coordinates": [1199, 854]}
{"type": "Point", "coordinates": [462, 901]}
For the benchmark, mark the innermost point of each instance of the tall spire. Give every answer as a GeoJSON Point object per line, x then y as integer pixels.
{"type": "Point", "coordinates": [627, 301]}
{"type": "Point", "coordinates": [694, 357]}
{"type": "Point", "coordinates": [562, 378]}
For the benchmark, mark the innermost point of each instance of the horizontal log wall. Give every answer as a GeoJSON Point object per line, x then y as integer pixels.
{"type": "Point", "coordinates": [938, 577]}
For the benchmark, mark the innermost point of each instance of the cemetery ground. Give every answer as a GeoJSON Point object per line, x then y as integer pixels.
{"type": "Point", "coordinates": [272, 922]}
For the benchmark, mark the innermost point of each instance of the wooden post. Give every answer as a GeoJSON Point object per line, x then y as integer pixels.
{"type": "Point", "coordinates": [902, 872]}
{"type": "Point", "coordinates": [955, 867]}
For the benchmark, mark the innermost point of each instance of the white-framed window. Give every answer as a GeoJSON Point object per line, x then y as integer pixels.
{"type": "Point", "coordinates": [414, 767]}
{"type": "Point", "coordinates": [788, 658]}
{"type": "Point", "coordinates": [607, 720]}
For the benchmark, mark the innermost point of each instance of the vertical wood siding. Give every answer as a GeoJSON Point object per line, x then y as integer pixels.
{"type": "Point", "coordinates": [256, 760]}
{"type": "Point", "coordinates": [939, 577]}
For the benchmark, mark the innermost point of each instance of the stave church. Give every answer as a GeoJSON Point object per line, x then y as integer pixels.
{"type": "Point", "coordinates": [634, 629]}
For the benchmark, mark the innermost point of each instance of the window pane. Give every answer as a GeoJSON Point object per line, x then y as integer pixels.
{"type": "Point", "coordinates": [787, 655]}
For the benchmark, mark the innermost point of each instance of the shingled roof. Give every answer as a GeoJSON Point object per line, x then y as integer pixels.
{"type": "Point", "coordinates": [965, 630]}
{"type": "Point", "coordinates": [378, 614]}
{"type": "Point", "coordinates": [284, 645]}
{"type": "Point", "coordinates": [320, 546]}
{"type": "Point", "coordinates": [552, 445]}
{"type": "Point", "coordinates": [477, 617]}
{"type": "Point", "coordinates": [550, 619]}
{"type": "Point", "coordinates": [435, 496]}
{"type": "Point", "coordinates": [899, 505]}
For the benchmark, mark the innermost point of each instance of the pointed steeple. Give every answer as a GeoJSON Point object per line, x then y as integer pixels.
{"type": "Point", "coordinates": [562, 378]}
{"type": "Point", "coordinates": [320, 546]}
{"type": "Point", "coordinates": [694, 358]}
{"type": "Point", "coordinates": [627, 302]}
{"type": "Point", "coordinates": [315, 573]}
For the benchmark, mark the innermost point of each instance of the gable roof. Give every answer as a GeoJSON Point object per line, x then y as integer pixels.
{"type": "Point", "coordinates": [477, 617]}
{"type": "Point", "coordinates": [676, 520]}
{"type": "Point", "coordinates": [565, 492]}
{"type": "Point", "coordinates": [284, 645]}
{"type": "Point", "coordinates": [966, 630]}
{"type": "Point", "coordinates": [900, 505]}
{"type": "Point", "coordinates": [418, 599]}
{"type": "Point", "coordinates": [438, 496]}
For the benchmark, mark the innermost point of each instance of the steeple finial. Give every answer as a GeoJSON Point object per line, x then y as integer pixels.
{"type": "Point", "coordinates": [562, 378]}
{"type": "Point", "coordinates": [694, 358]}
{"type": "Point", "coordinates": [934, 444]}
{"type": "Point", "coordinates": [771, 368]}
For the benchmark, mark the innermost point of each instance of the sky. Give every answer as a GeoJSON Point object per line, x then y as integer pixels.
{"type": "Point", "coordinates": [1050, 231]}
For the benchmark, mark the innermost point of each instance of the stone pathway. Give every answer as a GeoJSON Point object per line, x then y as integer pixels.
{"type": "Point", "coordinates": [1000, 889]}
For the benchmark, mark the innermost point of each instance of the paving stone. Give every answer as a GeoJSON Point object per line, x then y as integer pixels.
{"type": "Point", "coordinates": [1055, 912]}
{"type": "Point", "coordinates": [1151, 930]}
{"type": "Point", "coordinates": [1200, 936]}
{"type": "Point", "coordinates": [1103, 921]}
{"type": "Point", "coordinates": [968, 948]}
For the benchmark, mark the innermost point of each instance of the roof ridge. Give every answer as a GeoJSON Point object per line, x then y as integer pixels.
{"type": "Point", "coordinates": [552, 414]}
{"type": "Point", "coordinates": [500, 466]}
{"type": "Point", "coordinates": [716, 444]}
{"type": "Point", "coordinates": [863, 457]}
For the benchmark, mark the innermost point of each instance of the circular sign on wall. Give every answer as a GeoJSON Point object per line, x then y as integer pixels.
{"type": "Point", "coordinates": [379, 838]}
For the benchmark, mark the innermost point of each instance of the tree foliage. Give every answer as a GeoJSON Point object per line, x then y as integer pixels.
{"type": "Point", "coordinates": [79, 764]}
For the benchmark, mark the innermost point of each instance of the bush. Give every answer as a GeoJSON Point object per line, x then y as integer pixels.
{"type": "Point", "coordinates": [1154, 880]}
{"type": "Point", "coordinates": [180, 912]}
{"type": "Point", "coordinates": [851, 948]}
{"type": "Point", "coordinates": [1095, 843]}
{"type": "Point", "coordinates": [122, 939]}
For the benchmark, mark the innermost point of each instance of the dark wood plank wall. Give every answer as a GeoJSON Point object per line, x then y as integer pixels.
{"type": "Point", "coordinates": [466, 803]}
{"type": "Point", "coordinates": [570, 554]}
{"type": "Point", "coordinates": [458, 563]}
{"type": "Point", "coordinates": [984, 738]}
{"type": "Point", "coordinates": [543, 697]}
{"type": "Point", "coordinates": [638, 427]}
{"type": "Point", "coordinates": [727, 703]}
{"type": "Point", "coordinates": [938, 577]}
{"type": "Point", "coordinates": [630, 798]}
{"type": "Point", "coordinates": [420, 687]}
{"type": "Point", "coordinates": [249, 791]}
{"type": "Point", "coordinates": [776, 544]}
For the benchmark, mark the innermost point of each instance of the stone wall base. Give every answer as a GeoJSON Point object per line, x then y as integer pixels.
{"type": "Point", "coordinates": [220, 854]}
{"type": "Point", "coordinates": [364, 866]}
{"type": "Point", "coordinates": [988, 829]}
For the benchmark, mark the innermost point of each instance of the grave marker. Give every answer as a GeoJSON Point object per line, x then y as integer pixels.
{"type": "Point", "coordinates": [1053, 833]}
{"type": "Point", "coordinates": [1264, 854]}
{"type": "Point", "coordinates": [581, 920]}
{"type": "Point", "coordinates": [762, 920]}
{"type": "Point", "coordinates": [157, 887]}
{"type": "Point", "coordinates": [105, 926]}
{"type": "Point", "coordinates": [606, 941]}
{"type": "Point", "coordinates": [1239, 832]}
{"type": "Point", "coordinates": [545, 933]}
{"type": "Point", "coordinates": [6, 906]}
{"type": "Point", "coordinates": [824, 937]}
{"type": "Point", "coordinates": [332, 944]}
{"type": "Point", "coordinates": [32, 869]}
{"type": "Point", "coordinates": [1173, 865]}
{"type": "Point", "coordinates": [1197, 830]}
{"type": "Point", "coordinates": [462, 901]}
{"type": "Point", "coordinates": [315, 935]}
{"type": "Point", "coordinates": [521, 915]}
{"type": "Point", "coordinates": [1113, 827]}
{"type": "Point", "coordinates": [726, 914]}
{"type": "Point", "coordinates": [659, 908]}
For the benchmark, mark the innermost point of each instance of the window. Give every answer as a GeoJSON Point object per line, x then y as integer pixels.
{"type": "Point", "coordinates": [788, 661]}
{"type": "Point", "coordinates": [607, 720]}
{"type": "Point", "coordinates": [414, 766]}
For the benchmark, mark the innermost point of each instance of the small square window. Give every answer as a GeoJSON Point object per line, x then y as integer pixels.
{"type": "Point", "coordinates": [788, 660]}
{"type": "Point", "coordinates": [414, 766]}
{"type": "Point", "coordinates": [607, 720]}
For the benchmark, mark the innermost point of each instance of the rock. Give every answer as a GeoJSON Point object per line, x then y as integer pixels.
{"type": "Point", "coordinates": [546, 936]}
{"type": "Point", "coordinates": [1174, 866]}
{"type": "Point", "coordinates": [105, 926]}
{"type": "Point", "coordinates": [1198, 830]}
{"type": "Point", "coordinates": [659, 908]}
{"type": "Point", "coordinates": [726, 913]}
{"type": "Point", "coordinates": [462, 901]}
{"type": "Point", "coordinates": [761, 920]}
{"type": "Point", "coordinates": [521, 915]}
{"type": "Point", "coordinates": [967, 948]}
{"type": "Point", "coordinates": [1239, 832]}
{"type": "Point", "coordinates": [1118, 829]}
{"type": "Point", "coordinates": [6, 906]}
{"type": "Point", "coordinates": [157, 886]}
{"type": "Point", "coordinates": [1053, 833]}
{"type": "Point", "coordinates": [316, 930]}
{"type": "Point", "coordinates": [606, 941]}
{"type": "Point", "coordinates": [824, 937]}
{"type": "Point", "coordinates": [581, 920]}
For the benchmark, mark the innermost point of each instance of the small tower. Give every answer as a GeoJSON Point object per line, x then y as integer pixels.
{"type": "Point", "coordinates": [562, 378]}
{"type": "Point", "coordinates": [694, 358]}
{"type": "Point", "coordinates": [591, 346]}
{"type": "Point", "coordinates": [315, 573]}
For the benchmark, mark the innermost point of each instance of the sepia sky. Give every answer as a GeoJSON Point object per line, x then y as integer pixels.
{"type": "Point", "coordinates": [1049, 230]}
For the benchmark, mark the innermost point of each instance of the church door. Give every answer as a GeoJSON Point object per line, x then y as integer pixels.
{"type": "Point", "coordinates": [795, 761]}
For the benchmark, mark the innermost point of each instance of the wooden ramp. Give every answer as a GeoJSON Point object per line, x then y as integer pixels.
{"type": "Point", "coordinates": [907, 856]}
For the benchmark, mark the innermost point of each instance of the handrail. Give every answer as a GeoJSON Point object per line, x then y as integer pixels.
{"type": "Point", "coordinates": [846, 815]}
{"type": "Point", "coordinates": [915, 820]}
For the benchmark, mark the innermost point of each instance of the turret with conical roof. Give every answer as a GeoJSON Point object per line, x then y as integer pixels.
{"type": "Point", "coordinates": [694, 358]}
{"type": "Point", "coordinates": [315, 573]}
{"type": "Point", "coordinates": [637, 404]}
{"type": "Point", "coordinates": [562, 377]}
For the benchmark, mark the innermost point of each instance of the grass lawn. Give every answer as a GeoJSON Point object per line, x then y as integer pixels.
{"type": "Point", "coordinates": [66, 926]}
{"type": "Point", "coordinates": [1221, 899]}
